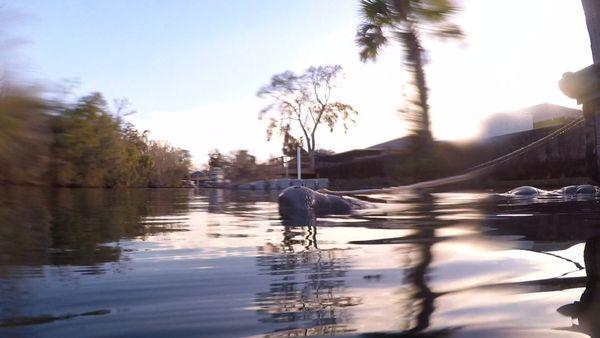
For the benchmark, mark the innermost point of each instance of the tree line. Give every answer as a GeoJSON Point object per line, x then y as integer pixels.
{"type": "Point", "coordinates": [241, 166]}
{"type": "Point", "coordinates": [80, 144]}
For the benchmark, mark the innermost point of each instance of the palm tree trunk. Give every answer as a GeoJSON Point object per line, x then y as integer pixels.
{"type": "Point", "coordinates": [592, 18]}
{"type": "Point", "coordinates": [414, 60]}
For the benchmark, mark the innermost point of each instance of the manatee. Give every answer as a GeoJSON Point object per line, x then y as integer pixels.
{"type": "Point", "coordinates": [570, 191]}
{"type": "Point", "coordinates": [302, 203]}
{"type": "Point", "coordinates": [587, 189]}
{"type": "Point", "coordinates": [525, 191]}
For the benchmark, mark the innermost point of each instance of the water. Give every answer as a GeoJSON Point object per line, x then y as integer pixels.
{"type": "Point", "coordinates": [184, 263]}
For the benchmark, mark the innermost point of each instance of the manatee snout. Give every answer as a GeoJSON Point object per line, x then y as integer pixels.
{"type": "Point", "coordinates": [295, 198]}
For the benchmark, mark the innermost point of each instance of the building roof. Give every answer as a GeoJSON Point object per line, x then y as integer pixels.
{"type": "Point", "coordinates": [498, 124]}
{"type": "Point", "coordinates": [548, 111]}
{"type": "Point", "coordinates": [525, 119]}
{"type": "Point", "coordinates": [395, 144]}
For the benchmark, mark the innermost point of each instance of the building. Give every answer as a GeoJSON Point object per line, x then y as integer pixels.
{"type": "Point", "coordinates": [377, 161]}
{"type": "Point", "coordinates": [393, 162]}
{"type": "Point", "coordinates": [198, 178]}
{"type": "Point", "coordinates": [539, 116]}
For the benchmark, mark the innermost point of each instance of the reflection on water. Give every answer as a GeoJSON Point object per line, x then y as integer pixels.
{"type": "Point", "coordinates": [587, 308]}
{"type": "Point", "coordinates": [307, 288]}
{"type": "Point", "coordinates": [77, 227]}
{"type": "Point", "coordinates": [172, 262]}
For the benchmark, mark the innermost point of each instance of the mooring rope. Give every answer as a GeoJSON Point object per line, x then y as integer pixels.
{"type": "Point", "coordinates": [471, 173]}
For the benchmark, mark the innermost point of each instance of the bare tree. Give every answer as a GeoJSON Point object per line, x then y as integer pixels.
{"type": "Point", "coordinates": [300, 103]}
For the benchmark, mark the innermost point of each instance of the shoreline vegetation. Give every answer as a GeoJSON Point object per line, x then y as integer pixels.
{"type": "Point", "coordinates": [84, 143]}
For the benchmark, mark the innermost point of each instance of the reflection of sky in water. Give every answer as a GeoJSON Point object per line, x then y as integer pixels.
{"type": "Point", "coordinates": [219, 263]}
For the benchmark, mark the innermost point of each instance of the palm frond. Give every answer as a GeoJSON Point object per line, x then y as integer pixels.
{"type": "Point", "coordinates": [434, 11]}
{"type": "Point", "coordinates": [370, 38]}
{"type": "Point", "coordinates": [376, 12]}
{"type": "Point", "coordinates": [448, 31]}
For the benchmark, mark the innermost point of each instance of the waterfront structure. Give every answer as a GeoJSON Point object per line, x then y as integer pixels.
{"type": "Point", "coordinates": [198, 178]}
{"type": "Point", "coordinates": [390, 163]}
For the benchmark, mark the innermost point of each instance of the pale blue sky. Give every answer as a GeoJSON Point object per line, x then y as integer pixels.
{"type": "Point", "coordinates": [172, 54]}
{"type": "Point", "coordinates": [191, 68]}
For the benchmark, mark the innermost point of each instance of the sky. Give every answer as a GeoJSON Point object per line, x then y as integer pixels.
{"type": "Point", "coordinates": [191, 69]}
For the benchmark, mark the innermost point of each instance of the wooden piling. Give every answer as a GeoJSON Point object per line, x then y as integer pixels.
{"type": "Point", "coordinates": [584, 86]}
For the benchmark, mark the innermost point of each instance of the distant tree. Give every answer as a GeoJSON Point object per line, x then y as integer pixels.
{"type": "Point", "coordinates": [216, 159]}
{"type": "Point", "coordinates": [137, 161]}
{"type": "Point", "coordinates": [304, 102]}
{"type": "Point", "coordinates": [242, 166]}
{"type": "Point", "coordinates": [290, 144]}
{"type": "Point", "coordinates": [87, 148]}
{"type": "Point", "coordinates": [170, 164]}
{"type": "Point", "coordinates": [93, 146]}
{"type": "Point", "coordinates": [25, 136]}
{"type": "Point", "coordinates": [407, 21]}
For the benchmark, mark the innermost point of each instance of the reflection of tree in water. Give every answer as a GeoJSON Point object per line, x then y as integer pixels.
{"type": "Point", "coordinates": [25, 229]}
{"type": "Point", "coordinates": [315, 304]}
{"type": "Point", "coordinates": [237, 202]}
{"type": "Point", "coordinates": [25, 236]}
{"type": "Point", "coordinates": [306, 294]}
{"type": "Point", "coordinates": [421, 304]}
{"type": "Point", "coordinates": [550, 227]}
{"type": "Point", "coordinates": [417, 300]}
{"type": "Point", "coordinates": [77, 226]}
{"type": "Point", "coordinates": [216, 200]}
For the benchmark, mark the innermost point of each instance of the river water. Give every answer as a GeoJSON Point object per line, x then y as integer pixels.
{"type": "Point", "coordinates": [217, 263]}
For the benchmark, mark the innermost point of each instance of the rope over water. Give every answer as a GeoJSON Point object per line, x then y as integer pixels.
{"type": "Point", "coordinates": [473, 172]}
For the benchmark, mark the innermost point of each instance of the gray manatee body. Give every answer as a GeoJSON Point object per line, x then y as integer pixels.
{"type": "Point", "coordinates": [571, 191]}
{"type": "Point", "coordinates": [299, 202]}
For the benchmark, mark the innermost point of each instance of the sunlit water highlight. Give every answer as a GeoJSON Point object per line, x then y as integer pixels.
{"type": "Point", "coordinates": [185, 263]}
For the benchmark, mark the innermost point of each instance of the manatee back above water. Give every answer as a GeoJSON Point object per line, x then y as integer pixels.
{"type": "Point", "coordinates": [525, 191]}
{"type": "Point", "coordinates": [301, 201]}
{"type": "Point", "coordinates": [571, 191]}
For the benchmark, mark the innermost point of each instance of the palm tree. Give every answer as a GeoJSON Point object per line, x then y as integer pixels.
{"type": "Point", "coordinates": [406, 21]}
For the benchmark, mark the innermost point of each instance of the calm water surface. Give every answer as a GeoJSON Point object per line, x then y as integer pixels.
{"type": "Point", "coordinates": [214, 263]}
